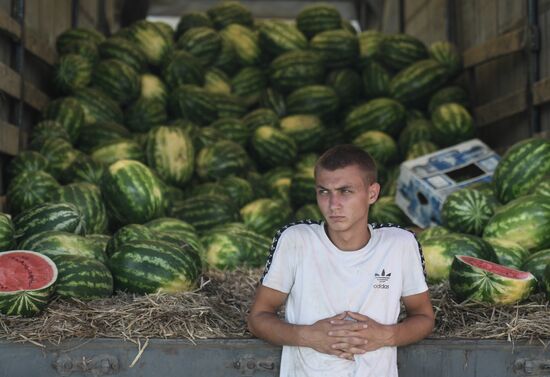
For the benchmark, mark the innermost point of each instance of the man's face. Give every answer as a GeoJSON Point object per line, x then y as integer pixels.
{"type": "Point", "coordinates": [344, 197]}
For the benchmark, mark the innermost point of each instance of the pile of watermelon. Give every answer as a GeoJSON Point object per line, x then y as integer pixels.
{"type": "Point", "coordinates": [494, 245]}
{"type": "Point", "coordinates": [166, 152]}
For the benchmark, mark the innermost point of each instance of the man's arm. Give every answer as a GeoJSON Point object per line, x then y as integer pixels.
{"type": "Point", "coordinates": [264, 323]}
{"type": "Point", "coordinates": [416, 326]}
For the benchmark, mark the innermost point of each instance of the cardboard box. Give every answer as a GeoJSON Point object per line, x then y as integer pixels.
{"type": "Point", "coordinates": [425, 182]}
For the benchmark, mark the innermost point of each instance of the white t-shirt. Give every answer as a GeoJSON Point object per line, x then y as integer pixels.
{"type": "Point", "coordinates": [322, 281]}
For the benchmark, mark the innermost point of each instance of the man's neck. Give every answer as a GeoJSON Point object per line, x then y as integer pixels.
{"type": "Point", "coordinates": [349, 241]}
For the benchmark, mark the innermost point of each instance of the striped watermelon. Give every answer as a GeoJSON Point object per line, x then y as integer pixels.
{"type": "Point", "coordinates": [278, 182]}
{"type": "Point", "coordinates": [245, 43]}
{"type": "Point", "coordinates": [172, 229]}
{"type": "Point", "coordinates": [203, 43]}
{"type": "Point", "coordinates": [26, 161]}
{"type": "Point", "coordinates": [319, 100]}
{"type": "Point", "coordinates": [182, 68]}
{"type": "Point", "coordinates": [302, 187]}
{"type": "Point", "coordinates": [419, 149]}
{"type": "Point", "coordinates": [87, 199]}
{"type": "Point", "coordinates": [379, 145]}
{"type": "Point", "coordinates": [151, 40]}
{"type": "Point", "coordinates": [452, 124]}
{"type": "Point", "coordinates": [45, 130]}
{"type": "Point", "coordinates": [82, 278]}
{"type": "Point", "coordinates": [277, 37]}
{"type": "Point", "coordinates": [127, 233]}
{"type": "Point", "coordinates": [144, 266]}
{"type": "Point", "coordinates": [77, 36]}
{"type": "Point", "coordinates": [153, 87]}
{"type": "Point", "coordinates": [145, 113]}
{"type": "Point", "coordinates": [27, 280]}
{"type": "Point", "coordinates": [369, 46]}
{"type": "Point", "coordinates": [509, 253]}
{"type": "Point", "coordinates": [234, 245]}
{"type": "Point", "coordinates": [221, 159]}
{"type": "Point", "coordinates": [60, 155]}
{"type": "Point", "coordinates": [227, 58]}
{"type": "Point", "coordinates": [124, 50]}
{"type": "Point", "coordinates": [337, 48]}
{"type": "Point", "coordinates": [308, 212]}
{"type": "Point", "coordinates": [525, 220]}
{"type": "Point", "coordinates": [415, 131]}
{"type": "Point", "coordinates": [521, 168]}
{"type": "Point", "coordinates": [260, 117]}
{"type": "Point", "coordinates": [7, 233]}
{"type": "Point", "coordinates": [84, 169]}
{"type": "Point", "coordinates": [93, 136]}
{"type": "Point", "coordinates": [132, 192]}
{"type": "Point", "coordinates": [170, 152]}
{"type": "Point", "coordinates": [68, 112]}
{"type": "Point", "coordinates": [86, 49]}
{"type": "Point", "coordinates": [376, 80]}
{"type": "Point", "coordinates": [273, 100]}
{"type": "Point", "coordinates": [414, 84]}
{"type": "Point", "coordinates": [56, 242]}
{"type": "Point", "coordinates": [98, 107]}
{"type": "Point", "coordinates": [249, 84]}
{"type": "Point", "coordinates": [118, 80]}
{"type": "Point", "coordinates": [63, 216]}
{"type": "Point", "coordinates": [439, 252]}
{"type": "Point", "coordinates": [229, 12]}
{"type": "Point", "coordinates": [217, 81]}
{"type": "Point", "coordinates": [346, 82]}
{"type": "Point", "coordinates": [116, 150]}
{"type": "Point", "coordinates": [295, 69]}
{"type": "Point", "coordinates": [381, 114]}
{"type": "Point", "coordinates": [233, 129]}
{"type": "Point", "coordinates": [542, 187]}
{"type": "Point", "coordinates": [71, 72]}
{"type": "Point", "coordinates": [306, 130]}
{"type": "Point", "coordinates": [265, 216]}
{"type": "Point", "coordinates": [273, 147]}
{"type": "Point", "coordinates": [193, 103]}
{"type": "Point", "coordinates": [431, 232]}
{"type": "Point", "coordinates": [385, 211]}
{"type": "Point", "coordinates": [238, 189]}
{"type": "Point", "coordinates": [448, 55]}
{"type": "Point", "coordinates": [399, 51]}
{"type": "Point", "coordinates": [468, 211]}
{"type": "Point", "coordinates": [453, 93]}
{"type": "Point", "coordinates": [29, 189]}
{"type": "Point", "coordinates": [206, 211]}
{"type": "Point", "coordinates": [536, 262]}
{"type": "Point", "coordinates": [317, 18]}
{"type": "Point", "coordinates": [480, 280]}
{"type": "Point", "coordinates": [191, 20]}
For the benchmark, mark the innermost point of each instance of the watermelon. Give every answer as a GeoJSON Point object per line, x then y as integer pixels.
{"type": "Point", "coordinates": [431, 232]}
{"type": "Point", "coordinates": [207, 136]}
{"type": "Point", "coordinates": [56, 242]}
{"type": "Point", "coordinates": [439, 252]}
{"type": "Point", "coordinates": [448, 55]}
{"type": "Point", "coordinates": [319, 100]}
{"type": "Point", "coordinates": [381, 114]}
{"type": "Point", "coordinates": [132, 192]}
{"type": "Point", "coordinates": [77, 36]}
{"type": "Point", "coordinates": [447, 94]}
{"type": "Point", "coordinates": [389, 182]}
{"type": "Point", "coordinates": [229, 12]}
{"type": "Point", "coordinates": [228, 105]}
{"type": "Point", "coordinates": [302, 187]}
{"type": "Point", "coordinates": [273, 146]}
{"type": "Point", "coordinates": [245, 43]}
{"type": "Point", "coordinates": [182, 68]}
{"type": "Point", "coordinates": [294, 69]}
{"type": "Point", "coordinates": [127, 233]}
{"type": "Point", "coordinates": [337, 48]}
{"type": "Point", "coordinates": [308, 212]}
{"type": "Point", "coordinates": [86, 197]}
{"type": "Point", "coordinates": [30, 161]}
{"type": "Point", "coordinates": [467, 211]}
{"type": "Point", "coordinates": [27, 280]}
{"type": "Point", "coordinates": [369, 46]}
{"type": "Point", "coordinates": [98, 134]}
{"type": "Point", "coordinates": [98, 107]}
{"type": "Point", "coordinates": [521, 168]}
{"type": "Point", "coordinates": [317, 18]}
{"type": "Point", "coordinates": [227, 58]}
{"type": "Point", "coordinates": [191, 20]}
{"type": "Point", "coordinates": [153, 87]}
{"type": "Point", "coordinates": [238, 189]}
{"type": "Point", "coordinates": [72, 72]}
{"type": "Point", "coordinates": [206, 211]}
{"type": "Point", "coordinates": [118, 80]}
{"type": "Point", "coordinates": [543, 187]}
{"type": "Point", "coordinates": [260, 117]}
{"type": "Point", "coordinates": [278, 182]}
{"type": "Point", "coordinates": [116, 150]}
{"type": "Point", "coordinates": [233, 129]}
{"type": "Point", "coordinates": [86, 49]}
{"type": "Point", "coordinates": [98, 242]}
{"type": "Point", "coordinates": [149, 266]}
{"type": "Point", "coordinates": [176, 231]}
{"type": "Point", "coordinates": [145, 113]}
{"type": "Point", "coordinates": [346, 82]}
{"type": "Point", "coordinates": [379, 145]}
{"type": "Point", "coordinates": [525, 220]}
{"type": "Point", "coordinates": [509, 253]}
{"type": "Point", "coordinates": [221, 159]}
{"type": "Point", "coordinates": [217, 81]}
{"type": "Point", "coordinates": [536, 262]}
{"type": "Point", "coordinates": [277, 37]}
{"type": "Point", "coordinates": [170, 152]}
{"type": "Point", "coordinates": [84, 169]}
{"type": "Point", "coordinates": [151, 40]}
{"type": "Point", "coordinates": [476, 279]}
{"type": "Point", "coordinates": [29, 189]}
{"type": "Point", "coordinates": [452, 124]}
{"type": "Point", "coordinates": [7, 232]}
{"type": "Point", "coordinates": [265, 216]}
{"type": "Point", "coordinates": [203, 43]}
{"type": "Point", "coordinates": [420, 148]}
{"type": "Point", "coordinates": [82, 278]}
{"type": "Point", "coordinates": [234, 245]}
{"type": "Point", "coordinates": [45, 130]}
{"type": "Point", "coordinates": [399, 51]}
{"type": "Point", "coordinates": [124, 50]}
{"type": "Point", "coordinates": [414, 84]}
{"type": "Point", "coordinates": [385, 211]}
{"type": "Point", "coordinates": [194, 104]}
{"type": "Point", "coordinates": [416, 130]}
{"type": "Point", "coordinates": [61, 216]}
{"type": "Point", "coordinates": [306, 130]}
{"type": "Point", "coordinates": [273, 100]}
{"type": "Point", "coordinates": [376, 80]}
{"type": "Point", "coordinates": [249, 84]}
{"type": "Point", "coordinates": [68, 112]}
{"type": "Point", "coordinates": [60, 155]}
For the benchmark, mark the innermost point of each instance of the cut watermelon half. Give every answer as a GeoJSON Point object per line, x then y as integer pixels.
{"type": "Point", "coordinates": [480, 280]}
{"type": "Point", "coordinates": [27, 281]}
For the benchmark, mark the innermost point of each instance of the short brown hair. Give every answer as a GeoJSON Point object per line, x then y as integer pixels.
{"type": "Point", "coordinates": [344, 155]}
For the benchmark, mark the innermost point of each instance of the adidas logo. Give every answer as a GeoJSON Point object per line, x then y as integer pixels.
{"type": "Point", "coordinates": [382, 278]}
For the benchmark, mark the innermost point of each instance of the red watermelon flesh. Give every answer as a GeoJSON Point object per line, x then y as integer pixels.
{"type": "Point", "coordinates": [20, 270]}
{"type": "Point", "coordinates": [496, 268]}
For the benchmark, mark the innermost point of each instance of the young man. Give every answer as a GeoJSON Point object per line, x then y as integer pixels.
{"type": "Point", "coordinates": [342, 281]}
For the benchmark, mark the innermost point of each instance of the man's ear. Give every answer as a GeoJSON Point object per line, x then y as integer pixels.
{"type": "Point", "coordinates": [374, 191]}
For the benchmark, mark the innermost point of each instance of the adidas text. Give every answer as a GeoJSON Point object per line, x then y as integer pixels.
{"type": "Point", "coordinates": [381, 286]}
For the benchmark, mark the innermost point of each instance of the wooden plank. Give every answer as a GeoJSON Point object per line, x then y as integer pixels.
{"type": "Point", "coordinates": [541, 92]}
{"type": "Point", "coordinates": [9, 26]}
{"type": "Point", "coordinates": [11, 84]}
{"type": "Point", "coordinates": [9, 138]}
{"type": "Point", "coordinates": [501, 108]}
{"type": "Point", "coordinates": [500, 46]}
